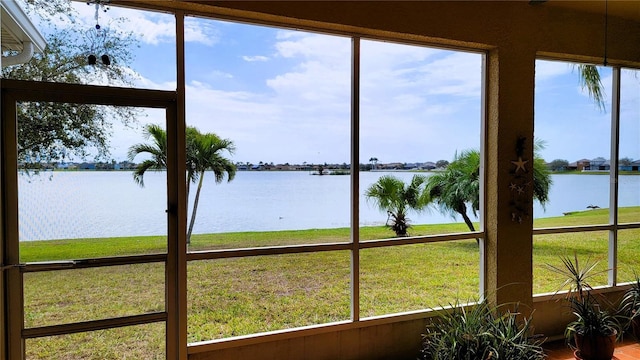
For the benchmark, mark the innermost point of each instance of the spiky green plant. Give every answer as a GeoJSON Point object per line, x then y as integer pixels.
{"type": "Point", "coordinates": [575, 278]}
{"type": "Point", "coordinates": [593, 316]}
{"type": "Point", "coordinates": [480, 332]}
{"type": "Point", "coordinates": [630, 305]}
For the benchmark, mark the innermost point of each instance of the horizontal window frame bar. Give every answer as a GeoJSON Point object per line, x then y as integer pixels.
{"type": "Point", "coordinates": [627, 226]}
{"type": "Point", "coordinates": [584, 228]}
{"type": "Point", "coordinates": [241, 252]}
{"type": "Point", "coordinates": [93, 325]}
{"type": "Point", "coordinates": [427, 239]}
{"type": "Point", "coordinates": [24, 91]}
{"type": "Point", "coordinates": [267, 250]}
{"type": "Point", "coordinates": [91, 263]}
{"type": "Point", "coordinates": [298, 249]}
{"type": "Point", "coordinates": [572, 229]}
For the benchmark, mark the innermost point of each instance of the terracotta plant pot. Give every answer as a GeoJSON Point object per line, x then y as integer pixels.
{"type": "Point", "coordinates": [595, 347]}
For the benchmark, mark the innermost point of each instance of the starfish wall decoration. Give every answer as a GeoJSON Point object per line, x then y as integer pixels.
{"type": "Point", "coordinates": [520, 164]}
{"type": "Point", "coordinates": [519, 184]}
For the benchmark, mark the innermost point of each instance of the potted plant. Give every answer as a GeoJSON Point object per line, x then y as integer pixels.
{"type": "Point", "coordinates": [480, 332]}
{"type": "Point", "coordinates": [630, 307]}
{"type": "Point", "coordinates": [596, 326]}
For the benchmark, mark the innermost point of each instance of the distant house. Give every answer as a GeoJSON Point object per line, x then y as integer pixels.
{"type": "Point", "coordinates": [284, 167]}
{"type": "Point", "coordinates": [634, 166]}
{"type": "Point", "coordinates": [580, 165]}
{"type": "Point", "coordinates": [391, 166]}
{"type": "Point", "coordinates": [87, 166]}
{"type": "Point", "coordinates": [125, 165]}
{"type": "Point", "coordinates": [428, 165]}
{"type": "Point", "coordinates": [599, 163]}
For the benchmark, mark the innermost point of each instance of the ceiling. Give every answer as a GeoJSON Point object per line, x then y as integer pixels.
{"type": "Point", "coordinates": [619, 8]}
{"type": "Point", "coordinates": [9, 42]}
{"type": "Point", "coordinates": [626, 9]}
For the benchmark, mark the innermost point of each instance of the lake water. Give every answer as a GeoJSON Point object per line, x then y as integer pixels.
{"type": "Point", "coordinates": [64, 205]}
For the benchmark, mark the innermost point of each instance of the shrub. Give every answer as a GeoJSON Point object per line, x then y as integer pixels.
{"type": "Point", "coordinates": [480, 332]}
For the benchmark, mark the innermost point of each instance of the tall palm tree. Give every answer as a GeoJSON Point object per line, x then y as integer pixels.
{"type": "Point", "coordinates": [374, 162]}
{"type": "Point", "coordinates": [157, 150]}
{"type": "Point", "coordinates": [458, 187]}
{"type": "Point", "coordinates": [204, 153]}
{"type": "Point", "coordinates": [392, 195]}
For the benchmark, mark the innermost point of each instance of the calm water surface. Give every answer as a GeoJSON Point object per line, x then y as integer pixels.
{"type": "Point", "coordinates": [64, 205]}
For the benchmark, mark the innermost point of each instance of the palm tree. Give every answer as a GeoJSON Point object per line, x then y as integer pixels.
{"type": "Point", "coordinates": [204, 153]}
{"type": "Point", "coordinates": [590, 80]}
{"type": "Point", "coordinates": [157, 150]}
{"type": "Point", "coordinates": [541, 176]}
{"type": "Point", "coordinates": [374, 162]}
{"type": "Point", "coordinates": [458, 187]}
{"type": "Point", "coordinates": [392, 195]}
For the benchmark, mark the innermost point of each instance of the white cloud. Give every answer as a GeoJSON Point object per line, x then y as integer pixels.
{"type": "Point", "coordinates": [200, 31]}
{"type": "Point", "coordinates": [407, 111]}
{"type": "Point", "coordinates": [261, 129]}
{"type": "Point", "coordinates": [388, 55]}
{"type": "Point", "coordinates": [546, 69]}
{"type": "Point", "coordinates": [255, 58]}
{"type": "Point", "coordinates": [146, 83]}
{"type": "Point", "coordinates": [417, 103]}
{"type": "Point", "coordinates": [150, 27]}
{"type": "Point", "coordinates": [328, 49]}
{"type": "Point", "coordinates": [216, 74]}
{"type": "Point", "coordinates": [320, 82]}
{"type": "Point", "coordinates": [457, 74]}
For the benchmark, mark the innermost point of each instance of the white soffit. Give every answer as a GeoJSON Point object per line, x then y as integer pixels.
{"type": "Point", "coordinates": [18, 29]}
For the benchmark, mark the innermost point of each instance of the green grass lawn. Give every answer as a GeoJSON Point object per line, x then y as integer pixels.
{"type": "Point", "coordinates": [229, 297]}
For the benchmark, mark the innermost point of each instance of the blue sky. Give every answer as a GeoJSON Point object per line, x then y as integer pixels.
{"type": "Point", "coordinates": [284, 96]}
